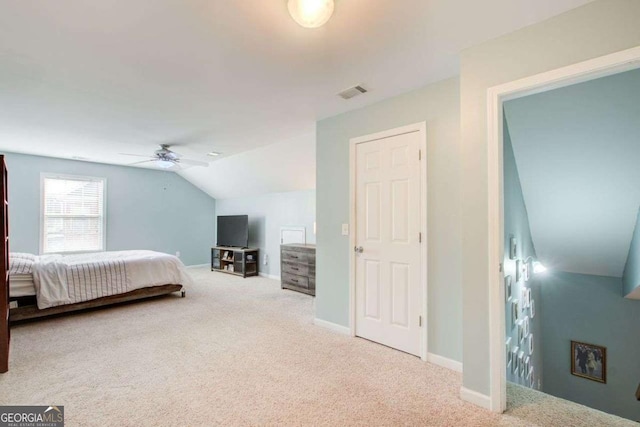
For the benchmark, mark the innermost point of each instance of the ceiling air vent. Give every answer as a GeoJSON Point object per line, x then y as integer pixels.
{"type": "Point", "coordinates": [352, 91]}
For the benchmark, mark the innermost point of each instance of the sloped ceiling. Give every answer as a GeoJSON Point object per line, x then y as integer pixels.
{"type": "Point", "coordinates": [578, 155]}
{"type": "Point", "coordinates": [93, 79]}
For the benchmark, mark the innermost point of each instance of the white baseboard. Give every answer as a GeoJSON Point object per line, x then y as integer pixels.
{"type": "Point", "coordinates": [269, 276]}
{"type": "Point", "coordinates": [476, 398]}
{"type": "Point", "coordinates": [332, 326]}
{"type": "Point", "coordinates": [445, 362]}
{"type": "Point", "coordinates": [197, 266]}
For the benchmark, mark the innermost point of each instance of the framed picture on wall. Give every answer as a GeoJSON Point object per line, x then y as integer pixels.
{"type": "Point", "coordinates": [520, 331]}
{"type": "Point", "coordinates": [508, 350]}
{"type": "Point", "coordinates": [513, 248]}
{"type": "Point", "coordinates": [526, 326]}
{"type": "Point", "coordinates": [514, 358]}
{"type": "Point", "coordinates": [530, 344]}
{"type": "Point", "coordinates": [515, 312]}
{"type": "Point", "coordinates": [507, 288]}
{"type": "Point", "coordinates": [531, 378]}
{"type": "Point", "coordinates": [518, 270]}
{"type": "Point", "coordinates": [532, 308]}
{"type": "Point", "coordinates": [521, 364]}
{"type": "Point", "coordinates": [589, 361]}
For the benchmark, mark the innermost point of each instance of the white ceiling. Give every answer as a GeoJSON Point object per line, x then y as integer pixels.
{"type": "Point", "coordinates": [94, 79]}
{"type": "Point", "coordinates": [577, 151]}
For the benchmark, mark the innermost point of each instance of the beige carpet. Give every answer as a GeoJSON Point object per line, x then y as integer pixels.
{"type": "Point", "coordinates": [242, 352]}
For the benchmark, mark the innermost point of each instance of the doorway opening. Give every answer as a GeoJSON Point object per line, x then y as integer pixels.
{"type": "Point", "coordinates": [515, 303]}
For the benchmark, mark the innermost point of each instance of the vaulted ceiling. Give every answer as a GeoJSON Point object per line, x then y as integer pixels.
{"type": "Point", "coordinates": [577, 150]}
{"type": "Point", "coordinates": [94, 79]}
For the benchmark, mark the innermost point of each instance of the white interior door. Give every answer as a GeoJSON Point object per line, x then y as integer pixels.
{"type": "Point", "coordinates": [388, 285]}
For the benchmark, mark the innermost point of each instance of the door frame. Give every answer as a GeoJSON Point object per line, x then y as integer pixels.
{"type": "Point", "coordinates": [565, 76]}
{"type": "Point", "coordinates": [421, 128]}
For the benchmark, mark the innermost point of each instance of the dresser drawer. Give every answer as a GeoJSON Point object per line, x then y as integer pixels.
{"type": "Point", "coordinates": [297, 269]}
{"type": "Point", "coordinates": [294, 280]}
{"type": "Point", "coordinates": [294, 256]}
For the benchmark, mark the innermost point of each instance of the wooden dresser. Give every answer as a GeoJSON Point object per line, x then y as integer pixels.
{"type": "Point", "coordinates": [298, 267]}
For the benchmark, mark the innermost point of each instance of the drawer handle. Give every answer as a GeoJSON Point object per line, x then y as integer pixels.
{"type": "Point", "coordinates": [294, 280]}
{"type": "Point", "coordinates": [295, 268]}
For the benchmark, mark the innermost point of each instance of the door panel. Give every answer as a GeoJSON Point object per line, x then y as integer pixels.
{"type": "Point", "coordinates": [388, 209]}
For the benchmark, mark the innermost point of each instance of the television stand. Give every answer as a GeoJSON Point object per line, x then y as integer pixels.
{"type": "Point", "coordinates": [237, 261]}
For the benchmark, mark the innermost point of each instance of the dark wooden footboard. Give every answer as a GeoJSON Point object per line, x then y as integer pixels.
{"type": "Point", "coordinates": [32, 312]}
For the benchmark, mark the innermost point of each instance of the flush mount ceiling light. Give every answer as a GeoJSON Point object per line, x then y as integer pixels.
{"type": "Point", "coordinates": [311, 13]}
{"type": "Point", "coordinates": [213, 153]}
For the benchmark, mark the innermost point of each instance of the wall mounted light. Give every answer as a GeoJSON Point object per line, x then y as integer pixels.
{"type": "Point", "coordinates": [533, 267]}
{"type": "Point", "coordinates": [311, 13]}
{"type": "Point", "coordinates": [538, 267]}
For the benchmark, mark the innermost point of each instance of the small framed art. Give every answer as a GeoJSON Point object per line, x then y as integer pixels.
{"type": "Point", "coordinates": [589, 361]}
{"type": "Point", "coordinates": [513, 248]}
{"type": "Point", "coordinates": [521, 364]}
{"type": "Point", "coordinates": [514, 358]}
{"type": "Point", "coordinates": [515, 311]}
{"type": "Point", "coordinates": [532, 308]}
{"type": "Point", "coordinates": [507, 287]}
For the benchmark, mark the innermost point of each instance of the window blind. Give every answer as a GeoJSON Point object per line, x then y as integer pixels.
{"type": "Point", "coordinates": [73, 214]}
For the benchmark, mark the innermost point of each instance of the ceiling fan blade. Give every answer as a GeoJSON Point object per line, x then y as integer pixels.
{"type": "Point", "coordinates": [134, 155]}
{"type": "Point", "coordinates": [144, 161]}
{"type": "Point", "coordinates": [193, 162]}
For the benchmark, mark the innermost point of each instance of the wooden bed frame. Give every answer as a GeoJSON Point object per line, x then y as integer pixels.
{"type": "Point", "coordinates": [33, 312]}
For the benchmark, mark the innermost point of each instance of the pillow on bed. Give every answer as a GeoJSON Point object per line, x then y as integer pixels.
{"type": "Point", "coordinates": [22, 255]}
{"type": "Point", "coordinates": [21, 263]}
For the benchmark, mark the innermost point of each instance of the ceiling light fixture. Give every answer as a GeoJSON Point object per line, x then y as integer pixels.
{"type": "Point", "coordinates": [311, 13]}
{"type": "Point", "coordinates": [213, 154]}
{"type": "Point", "coordinates": [164, 164]}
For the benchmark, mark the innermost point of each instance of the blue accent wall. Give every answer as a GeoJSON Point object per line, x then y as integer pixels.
{"type": "Point", "coordinates": [516, 224]}
{"type": "Point", "coordinates": [631, 276]}
{"type": "Point", "coordinates": [146, 209]}
{"type": "Point", "coordinates": [591, 309]}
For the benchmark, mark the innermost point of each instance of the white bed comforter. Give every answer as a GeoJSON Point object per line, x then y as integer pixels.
{"type": "Point", "coordinates": [67, 279]}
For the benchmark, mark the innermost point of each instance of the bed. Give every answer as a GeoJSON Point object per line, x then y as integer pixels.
{"type": "Point", "coordinates": [54, 284]}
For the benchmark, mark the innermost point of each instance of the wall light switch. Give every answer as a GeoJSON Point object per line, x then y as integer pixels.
{"type": "Point", "coordinates": [345, 229]}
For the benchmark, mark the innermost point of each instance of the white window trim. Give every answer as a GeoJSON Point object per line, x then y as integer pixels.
{"type": "Point", "coordinates": [45, 175]}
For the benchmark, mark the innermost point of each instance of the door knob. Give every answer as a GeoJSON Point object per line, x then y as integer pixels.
{"type": "Point", "coordinates": [358, 249]}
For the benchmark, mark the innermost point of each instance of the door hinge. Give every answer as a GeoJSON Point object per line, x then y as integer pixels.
{"type": "Point", "coordinates": [420, 321]}
{"type": "Point", "coordinates": [419, 154]}
{"type": "Point", "coordinates": [419, 237]}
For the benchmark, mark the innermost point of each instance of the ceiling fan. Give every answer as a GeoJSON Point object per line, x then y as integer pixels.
{"type": "Point", "coordinates": [167, 159]}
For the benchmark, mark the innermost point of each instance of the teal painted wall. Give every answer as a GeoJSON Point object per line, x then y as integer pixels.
{"type": "Point", "coordinates": [516, 224]}
{"type": "Point", "coordinates": [267, 213]}
{"type": "Point", "coordinates": [438, 105]}
{"type": "Point", "coordinates": [631, 276]}
{"type": "Point", "coordinates": [591, 309]}
{"type": "Point", "coordinates": [146, 209]}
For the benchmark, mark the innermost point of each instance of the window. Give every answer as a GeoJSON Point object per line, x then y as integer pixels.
{"type": "Point", "coordinates": [72, 214]}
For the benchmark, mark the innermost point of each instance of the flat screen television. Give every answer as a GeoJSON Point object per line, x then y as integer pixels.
{"type": "Point", "coordinates": [233, 230]}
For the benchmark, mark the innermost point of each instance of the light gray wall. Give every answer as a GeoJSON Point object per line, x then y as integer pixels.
{"type": "Point", "coordinates": [516, 224]}
{"type": "Point", "coordinates": [631, 276]}
{"type": "Point", "coordinates": [591, 309]}
{"type": "Point", "coordinates": [599, 28]}
{"type": "Point", "coordinates": [146, 209]}
{"type": "Point", "coordinates": [267, 213]}
{"type": "Point", "coordinates": [438, 105]}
